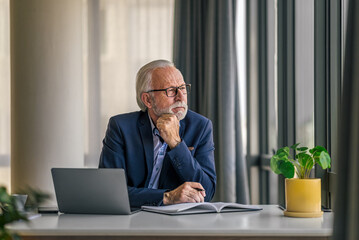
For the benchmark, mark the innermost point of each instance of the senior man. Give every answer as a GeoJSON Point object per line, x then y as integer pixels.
{"type": "Point", "coordinates": [166, 150]}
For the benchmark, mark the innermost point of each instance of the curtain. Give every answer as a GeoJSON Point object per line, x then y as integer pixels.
{"type": "Point", "coordinates": [205, 53]}
{"type": "Point", "coordinates": [122, 36]}
{"type": "Point", "coordinates": [5, 93]}
{"type": "Point", "coordinates": [346, 220]}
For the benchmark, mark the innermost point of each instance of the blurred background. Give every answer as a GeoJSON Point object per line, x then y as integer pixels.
{"type": "Point", "coordinates": [288, 72]}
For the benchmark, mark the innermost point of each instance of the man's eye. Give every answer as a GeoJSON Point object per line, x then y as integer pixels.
{"type": "Point", "coordinates": [171, 90]}
{"type": "Point", "coordinates": [182, 88]}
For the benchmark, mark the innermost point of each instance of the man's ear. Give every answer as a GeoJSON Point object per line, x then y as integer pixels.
{"type": "Point", "coordinates": [146, 99]}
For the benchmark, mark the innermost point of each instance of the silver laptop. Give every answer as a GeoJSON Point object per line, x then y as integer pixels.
{"type": "Point", "coordinates": [91, 191]}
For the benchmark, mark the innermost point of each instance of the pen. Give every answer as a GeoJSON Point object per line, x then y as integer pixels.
{"type": "Point", "coordinates": [199, 189]}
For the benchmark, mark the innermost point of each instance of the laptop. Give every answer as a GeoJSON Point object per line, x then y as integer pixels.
{"type": "Point", "coordinates": [91, 191]}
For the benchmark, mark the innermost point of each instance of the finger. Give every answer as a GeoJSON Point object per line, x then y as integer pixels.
{"type": "Point", "coordinates": [165, 118]}
{"type": "Point", "coordinates": [167, 115]}
{"type": "Point", "coordinates": [196, 185]}
{"type": "Point", "coordinates": [203, 193]}
{"type": "Point", "coordinates": [170, 118]}
{"type": "Point", "coordinates": [198, 195]}
{"type": "Point", "coordinates": [191, 200]}
{"type": "Point", "coordinates": [160, 126]}
{"type": "Point", "coordinates": [186, 198]}
{"type": "Point", "coordinates": [163, 124]}
{"type": "Point", "coordinates": [194, 196]}
{"type": "Point", "coordinates": [201, 197]}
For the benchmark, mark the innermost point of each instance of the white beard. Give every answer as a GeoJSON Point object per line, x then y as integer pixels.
{"type": "Point", "coordinates": [180, 114]}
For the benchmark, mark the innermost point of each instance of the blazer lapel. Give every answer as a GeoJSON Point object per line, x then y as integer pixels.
{"type": "Point", "coordinates": [144, 126]}
{"type": "Point", "coordinates": [181, 130]}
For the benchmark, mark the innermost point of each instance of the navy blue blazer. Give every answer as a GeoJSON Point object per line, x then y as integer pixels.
{"type": "Point", "coordinates": [128, 144]}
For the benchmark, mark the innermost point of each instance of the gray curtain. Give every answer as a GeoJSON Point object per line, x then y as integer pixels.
{"type": "Point", "coordinates": [346, 220]}
{"type": "Point", "coordinates": [205, 52]}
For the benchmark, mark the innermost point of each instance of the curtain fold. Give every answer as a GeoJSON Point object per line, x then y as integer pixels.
{"type": "Point", "coordinates": [346, 220]}
{"type": "Point", "coordinates": [205, 52]}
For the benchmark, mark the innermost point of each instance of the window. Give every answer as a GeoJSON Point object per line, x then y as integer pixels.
{"type": "Point", "coordinates": [119, 36]}
{"type": "Point", "coordinates": [294, 84]}
{"type": "Point", "coordinates": [130, 34]}
{"type": "Point", "coordinates": [304, 72]}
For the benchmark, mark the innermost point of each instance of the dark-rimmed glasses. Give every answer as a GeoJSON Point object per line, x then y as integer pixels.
{"type": "Point", "coordinates": [172, 91]}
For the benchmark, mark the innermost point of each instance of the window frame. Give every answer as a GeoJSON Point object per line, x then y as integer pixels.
{"type": "Point", "coordinates": [328, 82]}
{"type": "Point", "coordinates": [328, 25]}
{"type": "Point", "coordinates": [286, 81]}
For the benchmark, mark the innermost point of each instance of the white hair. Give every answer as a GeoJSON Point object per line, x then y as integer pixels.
{"type": "Point", "coordinates": [144, 79]}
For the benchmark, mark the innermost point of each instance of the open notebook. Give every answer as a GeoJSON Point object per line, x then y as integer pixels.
{"type": "Point", "coordinates": [204, 207]}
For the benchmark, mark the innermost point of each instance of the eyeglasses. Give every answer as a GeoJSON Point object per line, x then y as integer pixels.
{"type": "Point", "coordinates": [172, 91]}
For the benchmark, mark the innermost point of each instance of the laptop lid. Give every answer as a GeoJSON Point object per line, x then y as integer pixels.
{"type": "Point", "coordinates": [91, 191]}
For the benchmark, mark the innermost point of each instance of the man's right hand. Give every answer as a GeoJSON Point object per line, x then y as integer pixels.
{"type": "Point", "coordinates": [187, 192]}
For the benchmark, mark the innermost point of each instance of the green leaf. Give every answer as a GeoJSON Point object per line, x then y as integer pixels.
{"type": "Point", "coordinates": [280, 164]}
{"type": "Point", "coordinates": [282, 155]}
{"type": "Point", "coordinates": [294, 146]}
{"type": "Point", "coordinates": [273, 164]}
{"type": "Point", "coordinates": [284, 150]}
{"type": "Point", "coordinates": [304, 158]}
{"type": "Point", "coordinates": [286, 168]}
{"type": "Point", "coordinates": [302, 149]}
{"type": "Point", "coordinates": [317, 150]}
{"type": "Point", "coordinates": [321, 156]}
{"type": "Point", "coordinates": [8, 211]}
{"type": "Point", "coordinates": [309, 165]}
{"type": "Point", "coordinates": [323, 160]}
{"type": "Point", "coordinates": [4, 197]}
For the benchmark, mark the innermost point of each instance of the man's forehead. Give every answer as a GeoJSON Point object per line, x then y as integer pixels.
{"type": "Point", "coordinates": [166, 77]}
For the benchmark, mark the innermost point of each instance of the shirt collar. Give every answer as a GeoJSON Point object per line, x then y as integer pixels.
{"type": "Point", "coordinates": [153, 127]}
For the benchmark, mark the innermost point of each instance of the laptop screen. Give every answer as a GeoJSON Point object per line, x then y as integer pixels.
{"type": "Point", "coordinates": [91, 191]}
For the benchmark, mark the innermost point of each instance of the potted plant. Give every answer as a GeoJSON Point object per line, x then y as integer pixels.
{"type": "Point", "coordinates": [8, 213]}
{"type": "Point", "coordinates": [302, 194]}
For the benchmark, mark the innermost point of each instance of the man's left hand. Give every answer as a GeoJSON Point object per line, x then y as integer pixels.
{"type": "Point", "coordinates": [187, 192]}
{"type": "Point", "coordinates": [168, 127]}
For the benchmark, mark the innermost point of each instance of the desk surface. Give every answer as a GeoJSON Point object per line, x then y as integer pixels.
{"type": "Point", "coordinates": [268, 222]}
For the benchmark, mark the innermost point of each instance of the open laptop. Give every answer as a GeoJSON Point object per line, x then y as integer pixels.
{"type": "Point", "coordinates": [91, 191]}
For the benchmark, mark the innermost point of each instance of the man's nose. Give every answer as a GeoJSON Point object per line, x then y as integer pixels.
{"type": "Point", "coordinates": [180, 96]}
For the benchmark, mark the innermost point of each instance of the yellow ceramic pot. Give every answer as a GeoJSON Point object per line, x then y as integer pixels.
{"type": "Point", "coordinates": [303, 197]}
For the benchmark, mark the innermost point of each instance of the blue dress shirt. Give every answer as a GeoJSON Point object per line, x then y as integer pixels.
{"type": "Point", "coordinates": [159, 151]}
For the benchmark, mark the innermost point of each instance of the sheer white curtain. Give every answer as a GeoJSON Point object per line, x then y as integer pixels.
{"type": "Point", "coordinates": [119, 36]}
{"type": "Point", "coordinates": [131, 33]}
{"type": "Point", "coordinates": [4, 94]}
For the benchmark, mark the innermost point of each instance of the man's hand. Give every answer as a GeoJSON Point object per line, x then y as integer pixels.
{"type": "Point", "coordinates": [168, 127]}
{"type": "Point", "coordinates": [188, 192]}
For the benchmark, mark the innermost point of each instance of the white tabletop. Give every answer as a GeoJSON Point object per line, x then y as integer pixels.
{"type": "Point", "coordinates": [268, 222]}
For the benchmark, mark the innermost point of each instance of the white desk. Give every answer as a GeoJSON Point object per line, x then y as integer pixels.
{"type": "Point", "coordinates": [266, 224]}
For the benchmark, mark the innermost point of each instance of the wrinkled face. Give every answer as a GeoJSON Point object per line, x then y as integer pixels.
{"type": "Point", "coordinates": [158, 102]}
